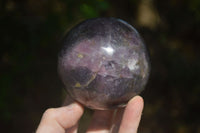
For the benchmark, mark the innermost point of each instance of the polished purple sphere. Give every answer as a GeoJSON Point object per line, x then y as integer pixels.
{"type": "Point", "coordinates": [104, 63]}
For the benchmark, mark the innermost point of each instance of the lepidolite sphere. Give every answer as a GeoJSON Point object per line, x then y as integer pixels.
{"type": "Point", "coordinates": [103, 63]}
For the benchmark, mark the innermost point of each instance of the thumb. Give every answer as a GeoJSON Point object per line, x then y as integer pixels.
{"type": "Point", "coordinates": [59, 119]}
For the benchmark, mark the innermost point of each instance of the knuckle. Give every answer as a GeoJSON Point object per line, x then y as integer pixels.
{"type": "Point", "coordinates": [50, 113]}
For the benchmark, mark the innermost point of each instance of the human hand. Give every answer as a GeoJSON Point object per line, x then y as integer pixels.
{"type": "Point", "coordinates": [65, 119]}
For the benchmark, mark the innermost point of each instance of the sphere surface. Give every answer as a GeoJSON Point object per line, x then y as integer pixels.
{"type": "Point", "coordinates": [104, 63]}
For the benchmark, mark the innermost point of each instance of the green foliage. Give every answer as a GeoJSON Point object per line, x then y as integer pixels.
{"type": "Point", "coordinates": [88, 11]}
{"type": "Point", "coordinates": [194, 6]}
{"type": "Point", "coordinates": [91, 9]}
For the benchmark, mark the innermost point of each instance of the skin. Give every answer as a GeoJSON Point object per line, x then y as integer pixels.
{"type": "Point", "coordinates": [65, 119]}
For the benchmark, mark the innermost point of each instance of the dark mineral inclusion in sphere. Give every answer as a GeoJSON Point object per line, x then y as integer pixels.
{"type": "Point", "coordinates": [104, 63]}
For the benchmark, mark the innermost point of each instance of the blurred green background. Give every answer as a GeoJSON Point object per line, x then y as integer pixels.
{"type": "Point", "coordinates": [30, 32]}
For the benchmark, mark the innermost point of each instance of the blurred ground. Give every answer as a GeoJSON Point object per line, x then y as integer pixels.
{"type": "Point", "coordinates": [29, 35]}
